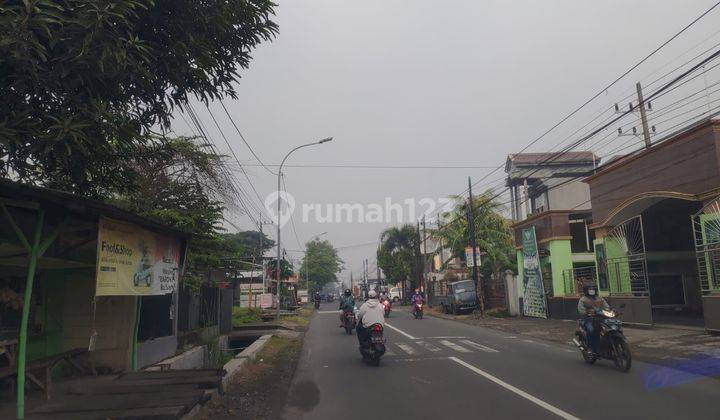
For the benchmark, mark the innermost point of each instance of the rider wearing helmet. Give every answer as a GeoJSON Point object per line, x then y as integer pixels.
{"type": "Point", "coordinates": [371, 312]}
{"type": "Point", "coordinates": [347, 304]}
{"type": "Point", "coordinates": [588, 305]}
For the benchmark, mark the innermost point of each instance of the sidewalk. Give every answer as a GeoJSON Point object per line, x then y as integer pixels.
{"type": "Point", "coordinates": [659, 345]}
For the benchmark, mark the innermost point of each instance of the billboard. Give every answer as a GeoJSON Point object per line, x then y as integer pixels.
{"type": "Point", "coordinates": [534, 303]}
{"type": "Point", "coordinates": [133, 261]}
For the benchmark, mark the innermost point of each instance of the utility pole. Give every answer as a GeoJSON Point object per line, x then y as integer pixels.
{"type": "Point", "coordinates": [419, 260]}
{"type": "Point", "coordinates": [473, 244]}
{"type": "Point", "coordinates": [643, 115]}
{"type": "Point", "coordinates": [424, 259]}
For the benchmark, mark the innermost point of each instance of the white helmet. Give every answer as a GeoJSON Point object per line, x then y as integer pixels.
{"type": "Point", "coordinates": [372, 294]}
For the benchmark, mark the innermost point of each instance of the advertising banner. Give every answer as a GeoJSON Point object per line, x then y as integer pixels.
{"type": "Point", "coordinates": [134, 261]}
{"type": "Point", "coordinates": [534, 303]}
{"type": "Point", "coordinates": [469, 256]}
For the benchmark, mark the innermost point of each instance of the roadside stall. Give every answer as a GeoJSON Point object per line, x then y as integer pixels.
{"type": "Point", "coordinates": [85, 287]}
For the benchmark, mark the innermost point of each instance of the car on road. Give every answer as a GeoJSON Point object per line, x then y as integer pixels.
{"type": "Point", "coordinates": [461, 296]}
{"type": "Point", "coordinates": [395, 294]}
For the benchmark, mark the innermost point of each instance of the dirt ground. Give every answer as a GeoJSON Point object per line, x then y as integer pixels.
{"type": "Point", "coordinates": [260, 390]}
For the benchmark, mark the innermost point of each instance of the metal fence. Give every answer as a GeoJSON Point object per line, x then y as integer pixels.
{"type": "Point", "coordinates": [575, 278]}
{"type": "Point", "coordinates": [207, 307]}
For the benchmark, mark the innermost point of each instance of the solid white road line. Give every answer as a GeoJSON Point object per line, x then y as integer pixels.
{"type": "Point", "coordinates": [479, 346]}
{"type": "Point", "coordinates": [328, 312]}
{"type": "Point", "coordinates": [400, 331]}
{"type": "Point", "coordinates": [558, 412]}
{"type": "Point", "coordinates": [407, 349]}
{"type": "Point", "coordinates": [429, 346]}
{"type": "Point", "coordinates": [455, 347]}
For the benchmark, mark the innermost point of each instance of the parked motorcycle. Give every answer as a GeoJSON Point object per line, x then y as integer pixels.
{"type": "Point", "coordinates": [418, 310]}
{"type": "Point", "coordinates": [387, 306]}
{"type": "Point", "coordinates": [372, 345]}
{"type": "Point", "coordinates": [349, 321]}
{"type": "Point", "coordinates": [612, 344]}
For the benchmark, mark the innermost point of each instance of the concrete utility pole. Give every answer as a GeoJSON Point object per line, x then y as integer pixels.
{"type": "Point", "coordinates": [473, 244]}
{"type": "Point", "coordinates": [419, 263]}
{"type": "Point", "coordinates": [424, 260]}
{"type": "Point", "coordinates": [643, 115]}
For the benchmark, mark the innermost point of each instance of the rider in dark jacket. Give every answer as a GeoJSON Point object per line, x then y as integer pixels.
{"type": "Point", "coordinates": [588, 305]}
{"type": "Point", "coordinates": [347, 304]}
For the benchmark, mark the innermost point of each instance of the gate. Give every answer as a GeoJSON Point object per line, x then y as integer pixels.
{"type": "Point", "coordinates": [706, 233]}
{"type": "Point", "coordinates": [626, 263]}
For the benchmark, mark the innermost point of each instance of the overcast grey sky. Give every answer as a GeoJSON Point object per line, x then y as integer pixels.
{"type": "Point", "coordinates": [430, 82]}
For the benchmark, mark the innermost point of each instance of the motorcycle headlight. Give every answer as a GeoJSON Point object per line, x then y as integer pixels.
{"type": "Point", "coordinates": [608, 314]}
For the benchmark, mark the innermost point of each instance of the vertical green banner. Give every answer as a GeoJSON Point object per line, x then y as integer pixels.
{"type": "Point", "coordinates": [534, 302]}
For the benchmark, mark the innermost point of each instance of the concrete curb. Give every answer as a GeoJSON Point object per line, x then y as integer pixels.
{"type": "Point", "coordinates": [233, 367]}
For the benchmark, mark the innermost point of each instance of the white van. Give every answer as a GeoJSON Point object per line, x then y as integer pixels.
{"type": "Point", "coordinates": [395, 294]}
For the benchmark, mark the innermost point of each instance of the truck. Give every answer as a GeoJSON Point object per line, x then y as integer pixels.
{"type": "Point", "coordinates": [302, 296]}
{"type": "Point", "coordinates": [461, 296]}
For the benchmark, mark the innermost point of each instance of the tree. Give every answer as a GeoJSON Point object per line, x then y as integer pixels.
{"type": "Point", "coordinates": [86, 83]}
{"type": "Point", "coordinates": [397, 255]}
{"type": "Point", "coordinates": [320, 264]}
{"type": "Point", "coordinates": [493, 233]}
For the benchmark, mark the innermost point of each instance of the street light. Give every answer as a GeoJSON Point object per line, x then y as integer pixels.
{"type": "Point", "coordinates": [279, 174]}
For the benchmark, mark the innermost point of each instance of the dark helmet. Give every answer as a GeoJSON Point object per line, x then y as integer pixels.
{"type": "Point", "coordinates": [587, 288]}
{"type": "Point", "coordinates": [347, 292]}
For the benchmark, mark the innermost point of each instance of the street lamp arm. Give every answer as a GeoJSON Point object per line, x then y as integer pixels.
{"type": "Point", "coordinates": [300, 147]}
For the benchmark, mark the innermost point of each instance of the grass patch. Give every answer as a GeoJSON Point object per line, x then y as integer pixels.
{"type": "Point", "coordinates": [245, 316]}
{"type": "Point", "coordinates": [302, 319]}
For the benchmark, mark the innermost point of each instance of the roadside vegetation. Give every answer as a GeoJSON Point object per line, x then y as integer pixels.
{"type": "Point", "coordinates": [242, 316]}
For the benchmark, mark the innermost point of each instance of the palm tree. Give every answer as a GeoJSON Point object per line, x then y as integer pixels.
{"type": "Point", "coordinates": [493, 233]}
{"type": "Point", "coordinates": [397, 255]}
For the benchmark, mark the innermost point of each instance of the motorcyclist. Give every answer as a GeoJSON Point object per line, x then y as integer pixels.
{"type": "Point", "coordinates": [371, 312]}
{"type": "Point", "coordinates": [347, 304]}
{"type": "Point", "coordinates": [588, 305]}
{"type": "Point", "coordinates": [416, 297]}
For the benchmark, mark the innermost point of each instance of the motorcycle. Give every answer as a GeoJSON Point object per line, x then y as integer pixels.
{"type": "Point", "coordinates": [612, 344]}
{"type": "Point", "coordinates": [349, 321]}
{"type": "Point", "coordinates": [317, 304]}
{"type": "Point", "coordinates": [418, 310]}
{"type": "Point", "coordinates": [387, 306]}
{"type": "Point", "coordinates": [372, 345]}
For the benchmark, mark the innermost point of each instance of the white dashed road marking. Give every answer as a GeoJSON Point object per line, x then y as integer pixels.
{"type": "Point", "coordinates": [429, 346]}
{"type": "Point", "coordinates": [479, 346]}
{"type": "Point", "coordinates": [454, 346]}
{"type": "Point", "coordinates": [407, 349]}
{"type": "Point", "coordinates": [551, 408]}
{"type": "Point", "coordinates": [328, 312]}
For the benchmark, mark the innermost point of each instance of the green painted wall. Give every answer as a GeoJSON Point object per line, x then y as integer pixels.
{"type": "Point", "coordinates": [520, 261]}
{"type": "Point", "coordinates": [560, 260]}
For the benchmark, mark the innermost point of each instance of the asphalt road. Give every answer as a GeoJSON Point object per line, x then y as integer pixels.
{"type": "Point", "coordinates": [437, 368]}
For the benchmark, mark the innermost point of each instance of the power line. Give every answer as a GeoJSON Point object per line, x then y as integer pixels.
{"type": "Point", "coordinates": [357, 166]}
{"type": "Point", "coordinates": [243, 138]}
{"type": "Point", "coordinates": [601, 91]}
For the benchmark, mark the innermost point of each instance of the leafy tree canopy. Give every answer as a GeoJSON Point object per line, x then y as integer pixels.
{"type": "Point", "coordinates": [86, 82]}
{"type": "Point", "coordinates": [493, 234]}
{"type": "Point", "coordinates": [320, 265]}
{"type": "Point", "coordinates": [397, 255]}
